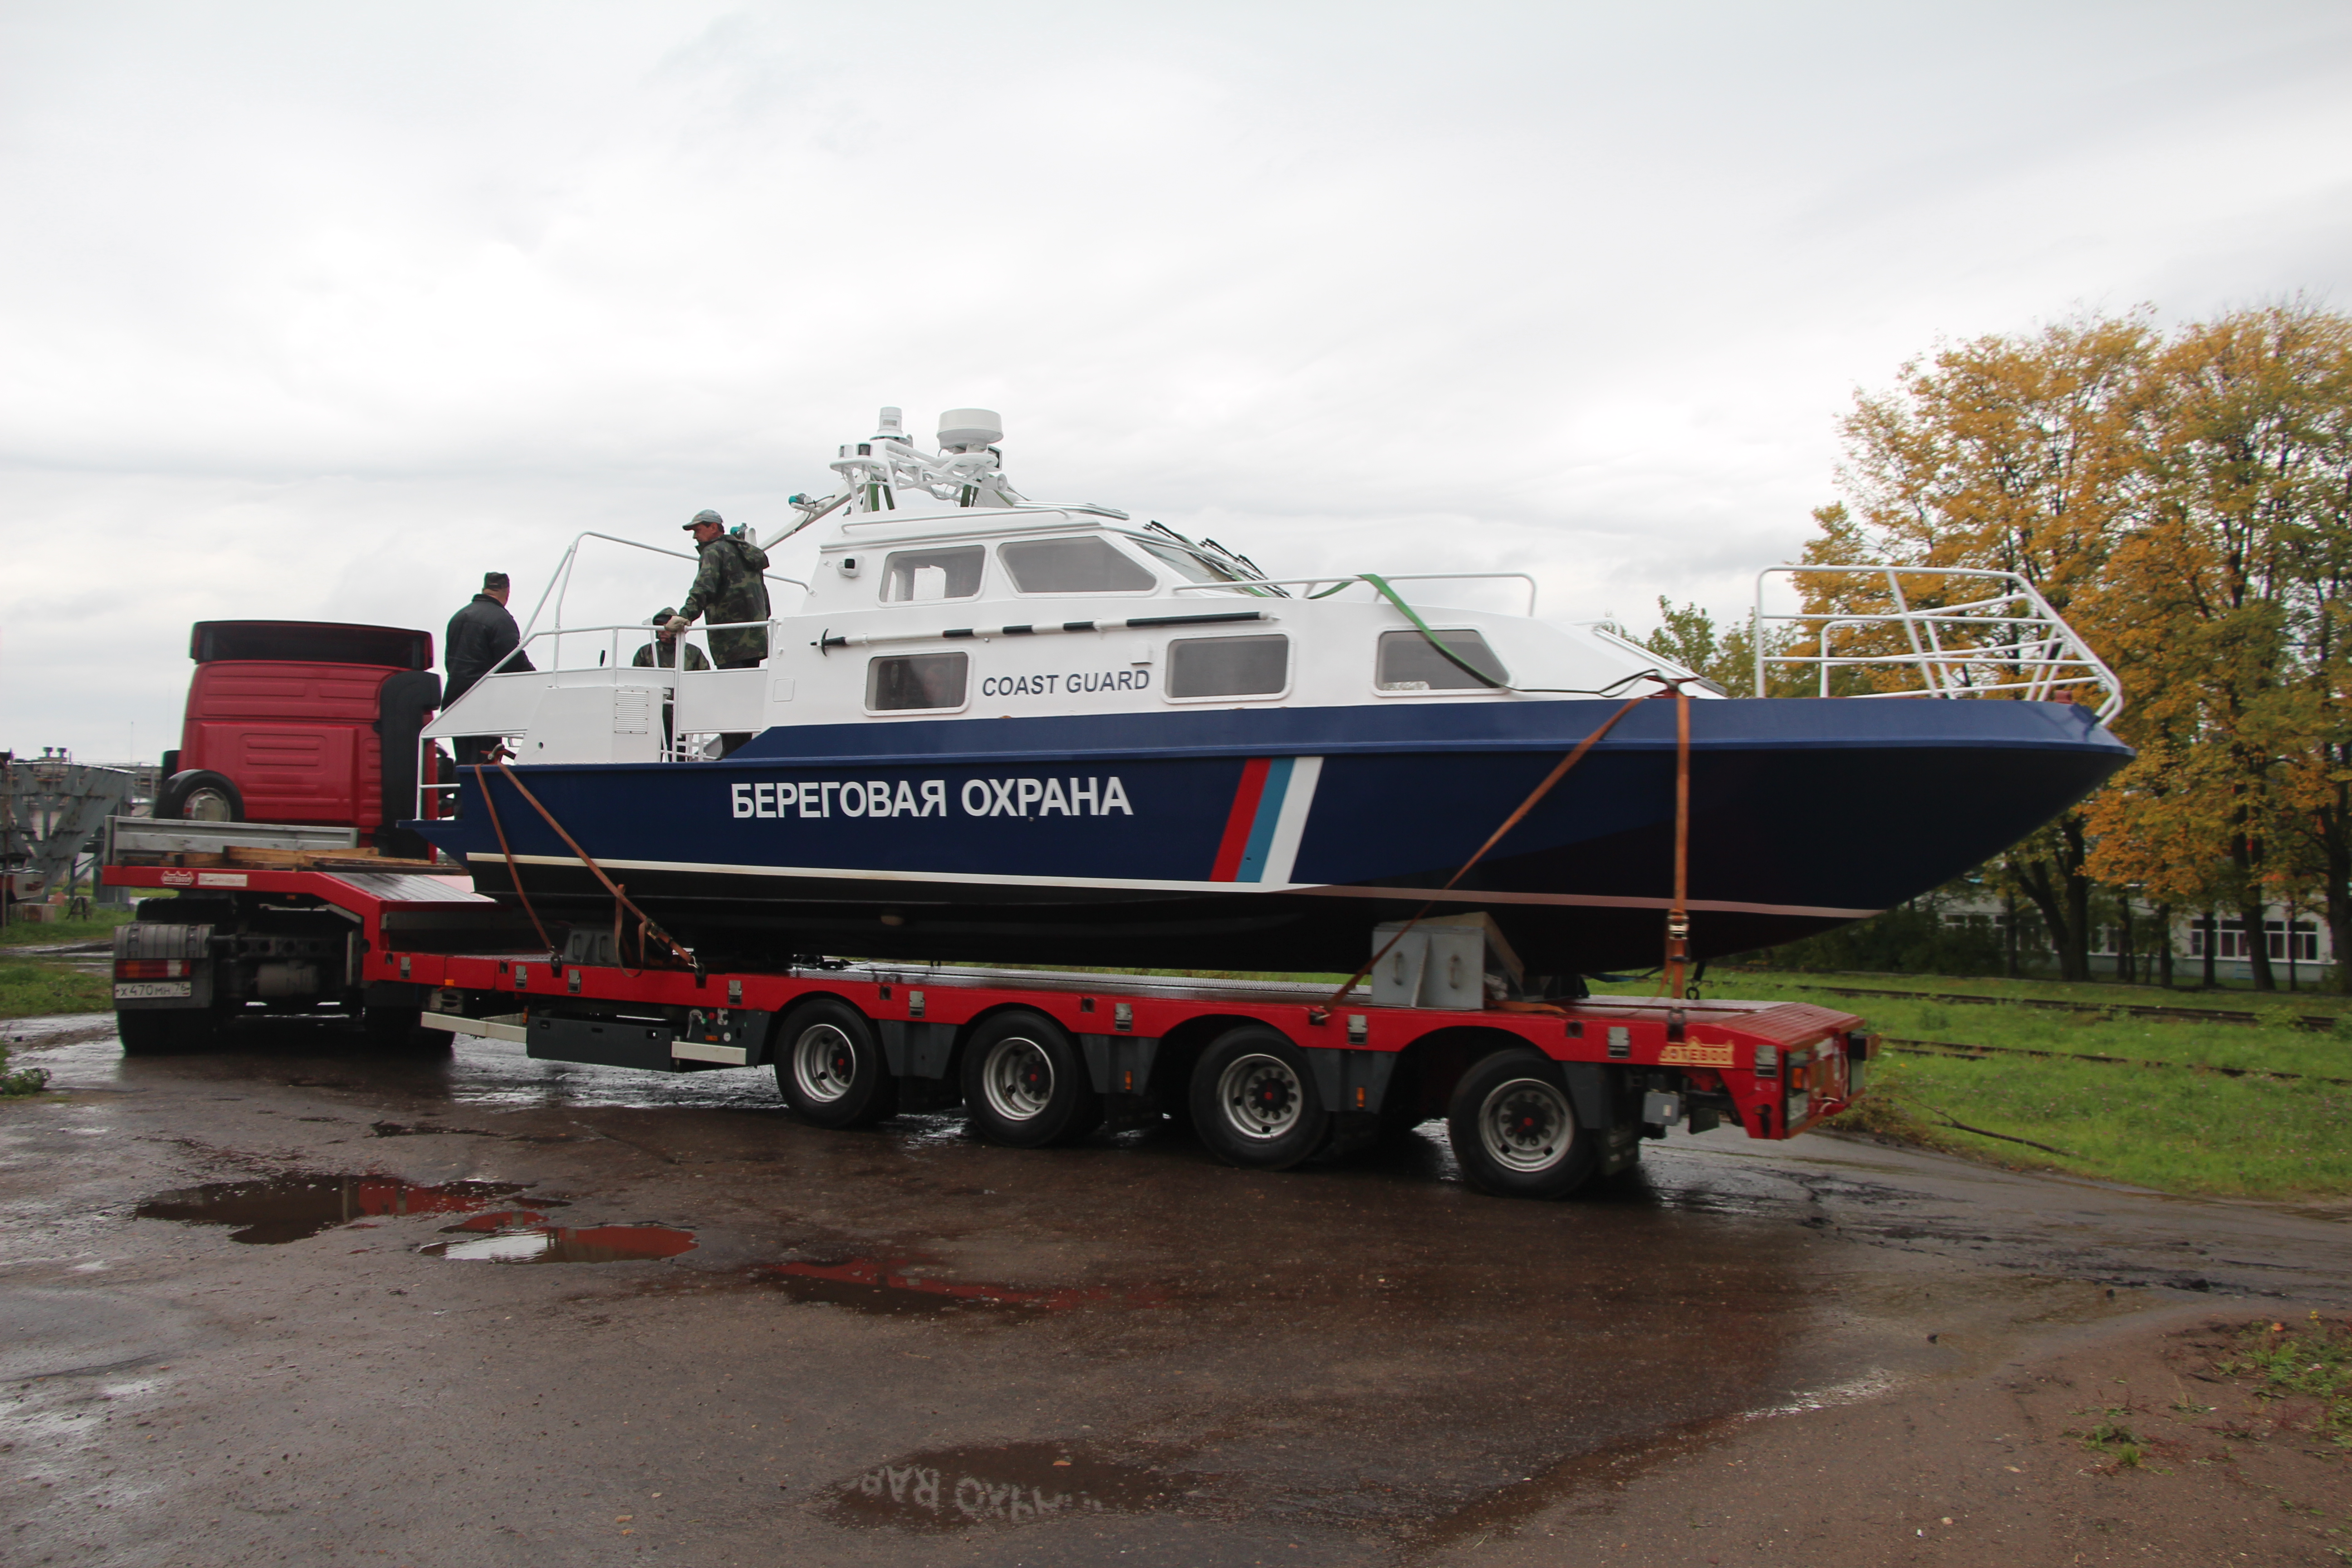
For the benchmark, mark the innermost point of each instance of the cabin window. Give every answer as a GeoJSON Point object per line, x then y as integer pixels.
{"type": "Point", "coordinates": [921, 576]}
{"type": "Point", "coordinates": [1408, 663]}
{"type": "Point", "coordinates": [1228, 667]}
{"type": "Point", "coordinates": [1088, 564]}
{"type": "Point", "coordinates": [910, 682]}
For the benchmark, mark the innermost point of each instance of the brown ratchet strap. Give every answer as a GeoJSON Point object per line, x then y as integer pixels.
{"type": "Point", "coordinates": [1678, 963]}
{"type": "Point", "coordinates": [514, 872]}
{"type": "Point", "coordinates": [645, 926]}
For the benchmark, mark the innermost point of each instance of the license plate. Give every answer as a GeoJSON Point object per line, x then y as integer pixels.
{"type": "Point", "coordinates": [153, 990]}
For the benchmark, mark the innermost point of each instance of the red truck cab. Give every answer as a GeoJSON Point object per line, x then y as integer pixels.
{"type": "Point", "coordinates": [306, 722]}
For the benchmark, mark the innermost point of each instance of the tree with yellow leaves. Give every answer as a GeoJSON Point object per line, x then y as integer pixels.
{"type": "Point", "coordinates": [2238, 577]}
{"type": "Point", "coordinates": [2185, 499]}
{"type": "Point", "coordinates": [2012, 454]}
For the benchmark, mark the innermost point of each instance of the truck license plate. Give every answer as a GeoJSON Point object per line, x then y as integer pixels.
{"type": "Point", "coordinates": [153, 990]}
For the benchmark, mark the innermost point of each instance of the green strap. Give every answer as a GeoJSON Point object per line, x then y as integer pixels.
{"type": "Point", "coordinates": [1381, 585]}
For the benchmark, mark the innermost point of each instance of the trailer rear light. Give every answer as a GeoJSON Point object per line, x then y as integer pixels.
{"type": "Point", "coordinates": [150, 968]}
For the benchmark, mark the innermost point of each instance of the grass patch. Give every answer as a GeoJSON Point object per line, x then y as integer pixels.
{"type": "Point", "coordinates": [16, 1083]}
{"type": "Point", "coordinates": [2274, 1046]}
{"type": "Point", "coordinates": [42, 933]}
{"type": "Point", "coordinates": [2175, 1128]}
{"type": "Point", "coordinates": [2090, 993]}
{"type": "Point", "coordinates": [2111, 1438]}
{"type": "Point", "coordinates": [35, 988]}
{"type": "Point", "coordinates": [2174, 1131]}
{"type": "Point", "coordinates": [2311, 1362]}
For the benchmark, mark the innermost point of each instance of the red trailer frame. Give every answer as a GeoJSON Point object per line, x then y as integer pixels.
{"type": "Point", "coordinates": [423, 949]}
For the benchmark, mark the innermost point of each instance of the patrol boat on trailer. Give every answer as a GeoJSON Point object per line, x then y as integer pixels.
{"type": "Point", "coordinates": [1001, 729]}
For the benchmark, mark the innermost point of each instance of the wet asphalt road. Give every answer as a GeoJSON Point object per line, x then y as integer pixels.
{"type": "Point", "coordinates": [293, 1302]}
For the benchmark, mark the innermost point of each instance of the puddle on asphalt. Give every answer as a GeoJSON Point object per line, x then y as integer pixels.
{"type": "Point", "coordinates": [1006, 1484]}
{"type": "Point", "coordinates": [288, 1208]}
{"type": "Point", "coordinates": [890, 1287]}
{"type": "Point", "coordinates": [519, 1236]}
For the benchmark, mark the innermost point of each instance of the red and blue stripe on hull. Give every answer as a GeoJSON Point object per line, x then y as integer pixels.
{"type": "Point", "coordinates": [1260, 843]}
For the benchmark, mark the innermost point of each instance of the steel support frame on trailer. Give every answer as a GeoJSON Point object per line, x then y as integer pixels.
{"type": "Point", "coordinates": [1775, 1068]}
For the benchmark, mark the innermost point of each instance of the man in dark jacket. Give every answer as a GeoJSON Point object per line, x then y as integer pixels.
{"type": "Point", "coordinates": [480, 638]}
{"type": "Point", "coordinates": [728, 587]}
{"type": "Point", "coordinates": [663, 650]}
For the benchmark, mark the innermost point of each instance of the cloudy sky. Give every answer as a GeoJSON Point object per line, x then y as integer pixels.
{"type": "Point", "coordinates": [318, 312]}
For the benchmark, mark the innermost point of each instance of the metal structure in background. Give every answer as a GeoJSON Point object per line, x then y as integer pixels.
{"type": "Point", "coordinates": [2002, 639]}
{"type": "Point", "coordinates": [50, 808]}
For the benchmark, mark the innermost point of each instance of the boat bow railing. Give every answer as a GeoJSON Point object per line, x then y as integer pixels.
{"type": "Point", "coordinates": [1929, 631]}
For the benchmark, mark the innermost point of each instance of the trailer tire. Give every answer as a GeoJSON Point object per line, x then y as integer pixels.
{"type": "Point", "coordinates": [1513, 1129]}
{"type": "Point", "coordinates": [1254, 1102]}
{"type": "Point", "coordinates": [829, 1066]}
{"type": "Point", "coordinates": [1026, 1083]}
{"type": "Point", "coordinates": [167, 1031]}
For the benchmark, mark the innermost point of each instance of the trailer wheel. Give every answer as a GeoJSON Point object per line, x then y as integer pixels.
{"type": "Point", "coordinates": [1254, 1102]}
{"type": "Point", "coordinates": [829, 1066]}
{"type": "Point", "coordinates": [1513, 1129]}
{"type": "Point", "coordinates": [1025, 1084]}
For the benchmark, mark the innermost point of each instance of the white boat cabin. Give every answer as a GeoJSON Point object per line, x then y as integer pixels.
{"type": "Point", "coordinates": [941, 593]}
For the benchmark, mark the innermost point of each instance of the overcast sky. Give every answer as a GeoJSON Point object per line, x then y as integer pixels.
{"type": "Point", "coordinates": [318, 312]}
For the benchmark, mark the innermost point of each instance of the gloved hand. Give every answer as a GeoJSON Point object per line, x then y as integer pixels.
{"type": "Point", "coordinates": [675, 625]}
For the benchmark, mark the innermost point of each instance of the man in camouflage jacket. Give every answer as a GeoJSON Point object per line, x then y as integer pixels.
{"type": "Point", "coordinates": [727, 587]}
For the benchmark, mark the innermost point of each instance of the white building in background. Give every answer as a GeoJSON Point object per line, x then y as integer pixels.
{"type": "Point", "coordinates": [2295, 937]}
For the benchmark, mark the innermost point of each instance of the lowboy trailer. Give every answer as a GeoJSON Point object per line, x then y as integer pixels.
{"type": "Point", "coordinates": [1539, 1096]}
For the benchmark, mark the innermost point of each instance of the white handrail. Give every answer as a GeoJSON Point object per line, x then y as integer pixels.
{"type": "Point", "coordinates": [563, 575]}
{"type": "Point", "coordinates": [2038, 653]}
{"type": "Point", "coordinates": [647, 630]}
{"type": "Point", "coordinates": [1342, 579]}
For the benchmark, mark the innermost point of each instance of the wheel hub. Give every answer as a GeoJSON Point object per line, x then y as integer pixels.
{"type": "Point", "coordinates": [824, 1063]}
{"type": "Point", "coordinates": [1527, 1124]}
{"type": "Point", "coordinates": [1262, 1097]}
{"type": "Point", "coordinates": [1018, 1080]}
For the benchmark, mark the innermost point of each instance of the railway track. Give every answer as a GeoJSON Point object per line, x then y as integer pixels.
{"type": "Point", "coordinates": [1979, 1053]}
{"type": "Point", "coordinates": [2319, 1023]}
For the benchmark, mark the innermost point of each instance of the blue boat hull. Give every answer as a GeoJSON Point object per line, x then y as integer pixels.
{"type": "Point", "coordinates": [1275, 839]}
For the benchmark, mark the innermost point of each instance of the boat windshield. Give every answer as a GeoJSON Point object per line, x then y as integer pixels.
{"type": "Point", "coordinates": [1087, 565]}
{"type": "Point", "coordinates": [1192, 567]}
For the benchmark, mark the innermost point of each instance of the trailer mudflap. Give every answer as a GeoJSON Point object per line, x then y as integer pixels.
{"type": "Point", "coordinates": [1589, 1088]}
{"type": "Point", "coordinates": [916, 1050]}
{"type": "Point", "coordinates": [1351, 1080]}
{"type": "Point", "coordinates": [1120, 1064]}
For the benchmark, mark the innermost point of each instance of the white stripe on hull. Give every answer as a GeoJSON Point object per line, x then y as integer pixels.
{"type": "Point", "coordinates": [1290, 826]}
{"type": "Point", "coordinates": [1109, 884]}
